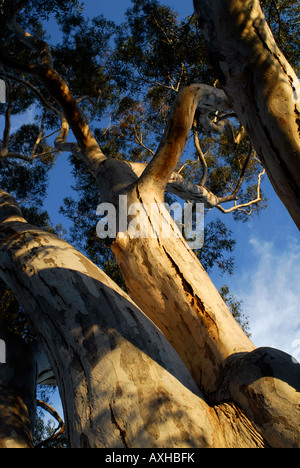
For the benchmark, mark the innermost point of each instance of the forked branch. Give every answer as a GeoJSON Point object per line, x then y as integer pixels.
{"type": "Point", "coordinates": [58, 89]}
{"type": "Point", "coordinates": [58, 431]}
{"type": "Point", "coordinates": [169, 152]}
{"type": "Point", "coordinates": [242, 206]}
{"type": "Point", "coordinates": [159, 174]}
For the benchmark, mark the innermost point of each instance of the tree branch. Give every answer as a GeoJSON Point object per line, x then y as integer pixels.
{"type": "Point", "coordinates": [34, 43]}
{"type": "Point", "coordinates": [241, 206]}
{"type": "Point", "coordinates": [181, 187]}
{"type": "Point", "coordinates": [241, 48]}
{"type": "Point", "coordinates": [59, 90]}
{"type": "Point", "coordinates": [169, 152]}
{"type": "Point", "coordinates": [61, 143]}
{"type": "Point", "coordinates": [58, 431]}
{"type": "Point", "coordinates": [30, 86]}
{"type": "Point", "coordinates": [243, 172]}
{"type": "Point", "coordinates": [201, 156]}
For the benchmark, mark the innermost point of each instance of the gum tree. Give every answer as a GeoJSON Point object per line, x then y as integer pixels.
{"type": "Point", "coordinates": [166, 365]}
{"type": "Point", "coordinates": [267, 100]}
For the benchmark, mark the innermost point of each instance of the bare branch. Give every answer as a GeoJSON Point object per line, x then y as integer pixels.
{"type": "Point", "coordinates": [241, 206]}
{"type": "Point", "coordinates": [243, 172]}
{"type": "Point", "coordinates": [186, 164]}
{"type": "Point", "coordinates": [59, 90]}
{"type": "Point", "coordinates": [39, 138]}
{"type": "Point", "coordinates": [181, 187]}
{"type": "Point", "coordinates": [188, 191]}
{"type": "Point", "coordinates": [240, 135]}
{"type": "Point", "coordinates": [59, 430]}
{"type": "Point", "coordinates": [139, 140]}
{"type": "Point", "coordinates": [34, 43]}
{"type": "Point", "coordinates": [61, 143]}
{"type": "Point", "coordinates": [30, 86]}
{"type": "Point", "coordinates": [169, 152]}
{"type": "Point", "coordinates": [201, 156]}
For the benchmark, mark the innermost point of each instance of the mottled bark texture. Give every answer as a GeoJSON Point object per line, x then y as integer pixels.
{"type": "Point", "coordinates": [261, 86]}
{"type": "Point", "coordinates": [120, 376]}
{"type": "Point", "coordinates": [121, 383]}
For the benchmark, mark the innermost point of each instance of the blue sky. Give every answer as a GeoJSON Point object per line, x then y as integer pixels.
{"type": "Point", "coordinates": [115, 9]}
{"type": "Point", "coordinates": [267, 275]}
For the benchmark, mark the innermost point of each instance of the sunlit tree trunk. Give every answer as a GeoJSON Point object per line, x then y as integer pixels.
{"type": "Point", "coordinates": [121, 383]}
{"type": "Point", "coordinates": [261, 86]}
{"type": "Point", "coordinates": [167, 281]}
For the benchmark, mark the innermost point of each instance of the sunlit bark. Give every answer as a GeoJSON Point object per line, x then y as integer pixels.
{"type": "Point", "coordinates": [120, 376]}
{"type": "Point", "coordinates": [261, 86]}
{"type": "Point", "coordinates": [121, 383]}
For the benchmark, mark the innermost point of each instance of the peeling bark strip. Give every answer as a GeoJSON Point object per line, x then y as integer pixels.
{"type": "Point", "coordinates": [261, 86]}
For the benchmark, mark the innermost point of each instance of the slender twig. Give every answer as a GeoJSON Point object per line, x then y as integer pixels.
{"type": "Point", "coordinates": [186, 164]}
{"type": "Point", "coordinates": [39, 138]}
{"type": "Point", "coordinates": [31, 87]}
{"type": "Point", "coordinates": [243, 172]}
{"type": "Point", "coordinates": [139, 139]}
{"type": "Point", "coordinates": [201, 156]}
{"type": "Point", "coordinates": [240, 207]}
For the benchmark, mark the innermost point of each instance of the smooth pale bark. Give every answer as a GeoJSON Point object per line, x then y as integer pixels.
{"type": "Point", "coordinates": [162, 274]}
{"type": "Point", "coordinates": [168, 284]}
{"type": "Point", "coordinates": [266, 384]}
{"type": "Point", "coordinates": [261, 86]}
{"type": "Point", "coordinates": [121, 383]}
{"type": "Point", "coordinates": [93, 332]}
{"type": "Point", "coordinates": [165, 278]}
{"type": "Point", "coordinates": [197, 95]}
{"type": "Point", "coordinates": [167, 281]}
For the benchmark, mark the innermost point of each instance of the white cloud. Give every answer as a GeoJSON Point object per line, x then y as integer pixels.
{"type": "Point", "coordinates": [271, 295]}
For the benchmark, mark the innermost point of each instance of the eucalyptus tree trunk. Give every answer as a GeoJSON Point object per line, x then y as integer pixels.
{"type": "Point", "coordinates": [261, 86]}
{"type": "Point", "coordinates": [167, 281]}
{"type": "Point", "coordinates": [121, 383]}
{"type": "Point", "coordinates": [121, 379]}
